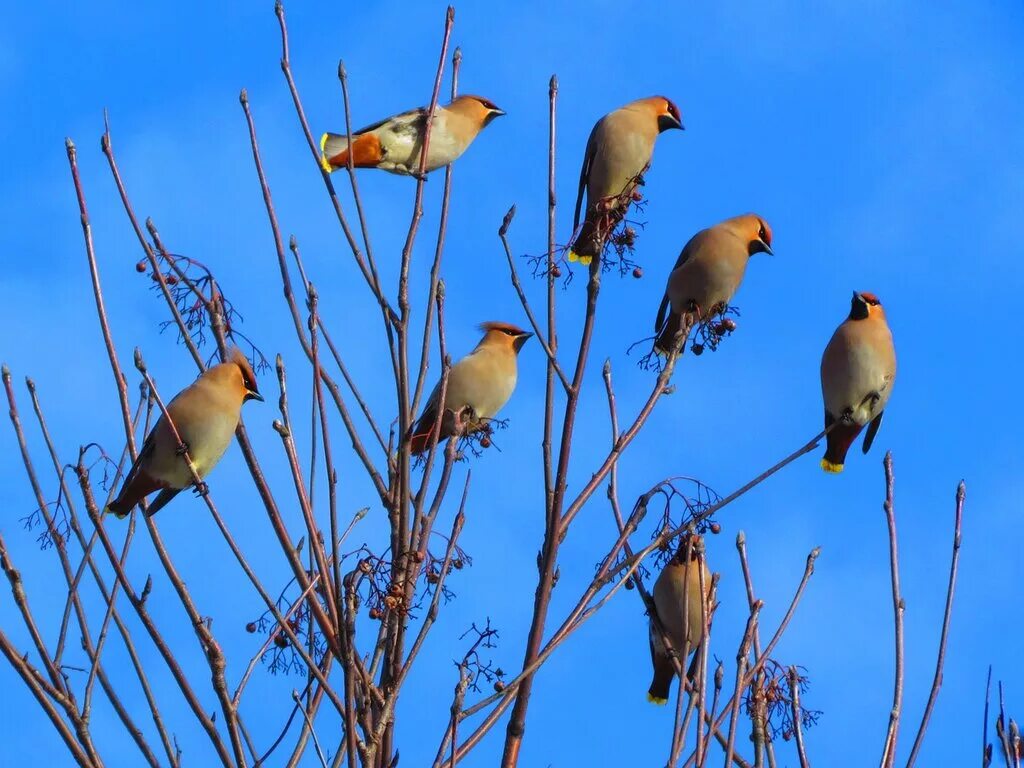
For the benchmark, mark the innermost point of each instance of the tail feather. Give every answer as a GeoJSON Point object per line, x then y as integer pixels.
{"type": "Point", "coordinates": [587, 244]}
{"type": "Point", "coordinates": [837, 445]}
{"type": "Point", "coordinates": [663, 344]}
{"type": "Point", "coordinates": [334, 151]}
{"type": "Point", "coordinates": [138, 487]}
{"type": "Point", "coordinates": [161, 500]}
{"type": "Point", "coordinates": [661, 683]}
{"type": "Point", "coordinates": [422, 431]}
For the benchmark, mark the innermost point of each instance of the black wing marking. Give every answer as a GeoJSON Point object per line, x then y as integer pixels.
{"type": "Point", "coordinates": [588, 156]}
{"type": "Point", "coordinates": [872, 431]}
{"type": "Point", "coordinates": [419, 112]}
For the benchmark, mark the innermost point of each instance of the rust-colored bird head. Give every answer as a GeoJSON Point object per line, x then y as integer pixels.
{"type": "Point", "coordinates": [477, 108]}
{"type": "Point", "coordinates": [496, 332]}
{"type": "Point", "coordinates": [685, 546]}
{"type": "Point", "coordinates": [864, 305]}
{"type": "Point", "coordinates": [666, 112]}
{"type": "Point", "coordinates": [245, 377]}
{"type": "Point", "coordinates": [754, 230]}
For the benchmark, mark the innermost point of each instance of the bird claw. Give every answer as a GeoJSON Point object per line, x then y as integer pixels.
{"type": "Point", "coordinates": [201, 489]}
{"type": "Point", "coordinates": [418, 176]}
{"type": "Point", "coordinates": [182, 448]}
{"type": "Point", "coordinates": [847, 416]}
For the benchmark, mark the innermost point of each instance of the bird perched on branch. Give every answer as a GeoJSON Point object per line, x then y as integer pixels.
{"type": "Point", "coordinates": [677, 601]}
{"type": "Point", "coordinates": [618, 152]}
{"type": "Point", "coordinates": [708, 272]}
{"type": "Point", "coordinates": [396, 143]}
{"type": "Point", "coordinates": [857, 372]}
{"type": "Point", "coordinates": [478, 386]}
{"type": "Point", "coordinates": [205, 415]}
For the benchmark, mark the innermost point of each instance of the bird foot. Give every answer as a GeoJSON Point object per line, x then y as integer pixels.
{"type": "Point", "coordinates": [201, 489]}
{"type": "Point", "coordinates": [182, 448]}
{"type": "Point", "coordinates": [418, 176]}
{"type": "Point", "coordinates": [847, 416]}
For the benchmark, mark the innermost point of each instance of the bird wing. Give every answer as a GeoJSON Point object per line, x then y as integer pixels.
{"type": "Point", "coordinates": [660, 320]}
{"type": "Point", "coordinates": [872, 431]}
{"type": "Point", "coordinates": [403, 122]}
{"type": "Point", "coordinates": [148, 447]}
{"type": "Point", "coordinates": [588, 158]}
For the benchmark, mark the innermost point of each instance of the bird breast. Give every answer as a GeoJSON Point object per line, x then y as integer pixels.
{"type": "Point", "coordinates": [706, 279]}
{"type": "Point", "coordinates": [620, 153]}
{"type": "Point", "coordinates": [483, 380]}
{"type": "Point", "coordinates": [207, 438]}
{"type": "Point", "coordinates": [402, 143]}
{"type": "Point", "coordinates": [858, 361]}
{"type": "Point", "coordinates": [681, 621]}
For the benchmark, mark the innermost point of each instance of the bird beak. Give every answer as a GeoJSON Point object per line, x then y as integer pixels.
{"type": "Point", "coordinates": [497, 112]}
{"type": "Point", "coordinates": [667, 122]}
{"type": "Point", "coordinates": [253, 395]}
{"type": "Point", "coordinates": [767, 248]}
{"type": "Point", "coordinates": [521, 339]}
{"type": "Point", "coordinates": [857, 296]}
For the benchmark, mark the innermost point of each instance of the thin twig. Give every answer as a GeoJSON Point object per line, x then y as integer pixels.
{"type": "Point", "coordinates": [961, 492]}
{"type": "Point", "coordinates": [889, 750]}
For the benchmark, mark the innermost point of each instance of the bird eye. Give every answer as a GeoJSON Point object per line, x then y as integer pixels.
{"type": "Point", "coordinates": [761, 233]}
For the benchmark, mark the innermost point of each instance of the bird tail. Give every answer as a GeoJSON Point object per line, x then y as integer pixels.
{"type": "Point", "coordinates": [586, 245]}
{"type": "Point", "coordinates": [838, 443]}
{"type": "Point", "coordinates": [335, 150]}
{"type": "Point", "coordinates": [422, 431]}
{"type": "Point", "coordinates": [663, 344]}
{"type": "Point", "coordinates": [161, 500]}
{"type": "Point", "coordinates": [664, 672]}
{"type": "Point", "coordinates": [136, 488]}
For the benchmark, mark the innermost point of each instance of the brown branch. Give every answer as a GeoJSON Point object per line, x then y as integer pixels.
{"type": "Point", "coordinates": [961, 492]}
{"type": "Point", "coordinates": [741, 682]}
{"type": "Point", "coordinates": [33, 681]}
{"type": "Point", "coordinates": [794, 694]}
{"type": "Point", "coordinates": [366, 265]}
{"type": "Point", "coordinates": [889, 751]}
{"type": "Point", "coordinates": [947, 614]}
{"type": "Point", "coordinates": [518, 286]}
{"type": "Point", "coordinates": [435, 268]}
{"type": "Point", "coordinates": [756, 667]}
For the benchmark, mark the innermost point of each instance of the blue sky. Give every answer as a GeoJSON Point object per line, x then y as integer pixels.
{"type": "Point", "coordinates": [883, 145]}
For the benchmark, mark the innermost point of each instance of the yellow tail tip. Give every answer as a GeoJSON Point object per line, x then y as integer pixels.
{"type": "Point", "coordinates": [584, 260]}
{"type": "Point", "coordinates": [831, 468]}
{"type": "Point", "coordinates": [323, 157]}
{"type": "Point", "coordinates": [656, 700]}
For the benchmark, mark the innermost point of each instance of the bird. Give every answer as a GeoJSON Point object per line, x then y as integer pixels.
{"type": "Point", "coordinates": [858, 369]}
{"type": "Point", "coordinates": [205, 415]}
{"type": "Point", "coordinates": [395, 143]}
{"type": "Point", "coordinates": [618, 152]}
{"type": "Point", "coordinates": [681, 619]}
{"type": "Point", "coordinates": [708, 273]}
{"type": "Point", "coordinates": [482, 381]}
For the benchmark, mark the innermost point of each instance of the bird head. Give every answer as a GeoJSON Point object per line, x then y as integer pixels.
{"type": "Point", "coordinates": [504, 334]}
{"type": "Point", "coordinates": [864, 305]}
{"type": "Point", "coordinates": [248, 377]}
{"type": "Point", "coordinates": [667, 113]}
{"type": "Point", "coordinates": [688, 543]}
{"type": "Point", "coordinates": [482, 110]}
{"type": "Point", "coordinates": [754, 231]}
